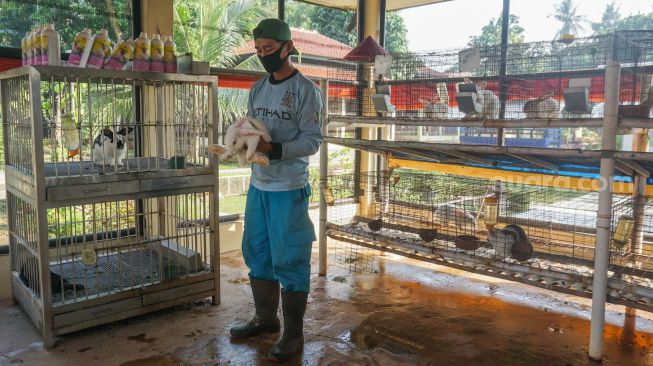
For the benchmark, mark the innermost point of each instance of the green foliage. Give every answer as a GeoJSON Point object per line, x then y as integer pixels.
{"type": "Point", "coordinates": [212, 30]}
{"type": "Point", "coordinates": [639, 21]}
{"type": "Point", "coordinates": [335, 24]}
{"type": "Point", "coordinates": [491, 33]}
{"type": "Point", "coordinates": [609, 20]}
{"type": "Point", "coordinates": [69, 17]}
{"type": "Point", "coordinates": [572, 22]}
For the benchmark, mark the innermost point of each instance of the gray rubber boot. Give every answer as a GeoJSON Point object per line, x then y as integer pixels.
{"type": "Point", "coordinates": [265, 321]}
{"type": "Point", "coordinates": [292, 341]}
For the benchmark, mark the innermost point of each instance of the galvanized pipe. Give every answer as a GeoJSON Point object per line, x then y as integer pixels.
{"type": "Point", "coordinates": [602, 253]}
{"type": "Point", "coordinates": [324, 159]}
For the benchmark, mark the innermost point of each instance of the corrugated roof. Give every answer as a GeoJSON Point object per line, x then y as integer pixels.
{"type": "Point", "coordinates": [309, 43]}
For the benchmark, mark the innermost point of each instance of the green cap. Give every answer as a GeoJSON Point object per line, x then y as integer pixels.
{"type": "Point", "coordinates": [275, 29]}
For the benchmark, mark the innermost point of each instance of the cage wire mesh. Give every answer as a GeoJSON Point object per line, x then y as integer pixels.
{"type": "Point", "coordinates": [93, 125]}
{"type": "Point", "coordinates": [543, 80]}
{"type": "Point", "coordinates": [543, 234]}
{"type": "Point", "coordinates": [135, 243]}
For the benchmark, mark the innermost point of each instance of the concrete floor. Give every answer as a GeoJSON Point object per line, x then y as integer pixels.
{"type": "Point", "coordinates": [408, 313]}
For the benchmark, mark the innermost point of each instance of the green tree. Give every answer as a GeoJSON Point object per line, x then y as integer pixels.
{"type": "Point", "coordinates": [212, 30]}
{"type": "Point", "coordinates": [639, 21]}
{"type": "Point", "coordinates": [332, 23]}
{"type": "Point", "coordinates": [341, 25]}
{"type": "Point", "coordinates": [609, 20]}
{"type": "Point", "coordinates": [572, 22]}
{"type": "Point", "coordinates": [18, 17]}
{"type": "Point", "coordinates": [491, 33]}
{"type": "Point", "coordinates": [396, 31]}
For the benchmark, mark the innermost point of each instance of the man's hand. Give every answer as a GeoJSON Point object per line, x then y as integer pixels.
{"type": "Point", "coordinates": [263, 147]}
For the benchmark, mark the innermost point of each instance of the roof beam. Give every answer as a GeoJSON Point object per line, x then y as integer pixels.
{"type": "Point", "coordinates": [535, 161]}
{"type": "Point", "coordinates": [634, 166]}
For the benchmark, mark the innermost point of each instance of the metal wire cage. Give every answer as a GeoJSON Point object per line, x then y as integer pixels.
{"type": "Point", "coordinates": [539, 235]}
{"type": "Point", "coordinates": [435, 93]}
{"type": "Point", "coordinates": [112, 196]}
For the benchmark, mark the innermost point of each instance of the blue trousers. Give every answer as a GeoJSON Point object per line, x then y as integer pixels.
{"type": "Point", "coordinates": [278, 237]}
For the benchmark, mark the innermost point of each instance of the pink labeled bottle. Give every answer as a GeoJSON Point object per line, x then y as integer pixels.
{"type": "Point", "coordinates": [31, 53]}
{"type": "Point", "coordinates": [170, 55]}
{"type": "Point", "coordinates": [37, 46]}
{"type": "Point", "coordinates": [141, 53]}
{"type": "Point", "coordinates": [23, 49]}
{"type": "Point", "coordinates": [50, 46]}
{"type": "Point", "coordinates": [79, 45]}
{"type": "Point", "coordinates": [156, 54]}
{"type": "Point", "coordinates": [101, 49]}
{"type": "Point", "coordinates": [124, 52]}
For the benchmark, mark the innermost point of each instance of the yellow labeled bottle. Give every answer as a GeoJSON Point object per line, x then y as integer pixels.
{"type": "Point", "coordinates": [156, 54]}
{"type": "Point", "coordinates": [101, 49]}
{"type": "Point", "coordinates": [141, 53]}
{"type": "Point", "coordinates": [79, 45]}
{"type": "Point", "coordinates": [50, 46]}
{"type": "Point", "coordinates": [170, 55]}
{"type": "Point", "coordinates": [124, 52]}
{"type": "Point", "coordinates": [23, 49]}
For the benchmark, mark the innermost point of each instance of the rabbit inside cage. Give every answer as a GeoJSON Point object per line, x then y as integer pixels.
{"type": "Point", "coordinates": [539, 228]}
{"type": "Point", "coordinates": [95, 126]}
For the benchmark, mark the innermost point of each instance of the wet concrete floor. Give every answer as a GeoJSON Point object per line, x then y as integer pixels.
{"type": "Point", "coordinates": [409, 313]}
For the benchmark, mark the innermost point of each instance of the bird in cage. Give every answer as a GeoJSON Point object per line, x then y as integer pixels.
{"type": "Point", "coordinates": [108, 146]}
{"type": "Point", "coordinates": [437, 108]}
{"type": "Point", "coordinates": [450, 215]}
{"type": "Point", "coordinates": [487, 101]}
{"type": "Point", "coordinates": [241, 140]}
{"type": "Point", "coordinates": [544, 106]}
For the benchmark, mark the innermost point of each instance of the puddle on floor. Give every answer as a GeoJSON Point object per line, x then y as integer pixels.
{"type": "Point", "coordinates": [165, 360]}
{"type": "Point", "coordinates": [407, 318]}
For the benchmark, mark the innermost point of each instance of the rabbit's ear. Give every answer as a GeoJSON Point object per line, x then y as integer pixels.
{"type": "Point", "coordinates": [468, 81]}
{"type": "Point", "coordinates": [125, 130]}
{"type": "Point", "coordinates": [482, 84]}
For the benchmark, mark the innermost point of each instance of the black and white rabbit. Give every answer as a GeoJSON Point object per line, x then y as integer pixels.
{"type": "Point", "coordinates": [486, 99]}
{"type": "Point", "coordinates": [107, 146]}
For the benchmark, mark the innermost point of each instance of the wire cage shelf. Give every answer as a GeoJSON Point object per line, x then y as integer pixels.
{"type": "Point", "coordinates": [112, 196]}
{"type": "Point", "coordinates": [538, 235]}
{"type": "Point", "coordinates": [441, 95]}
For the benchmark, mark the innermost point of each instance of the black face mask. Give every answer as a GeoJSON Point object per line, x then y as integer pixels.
{"type": "Point", "coordinates": [273, 62]}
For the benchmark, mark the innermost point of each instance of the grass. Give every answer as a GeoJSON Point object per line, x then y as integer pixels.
{"type": "Point", "coordinates": [233, 204]}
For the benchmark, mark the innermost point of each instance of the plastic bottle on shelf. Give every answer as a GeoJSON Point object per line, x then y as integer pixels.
{"type": "Point", "coordinates": [79, 45]}
{"type": "Point", "coordinates": [156, 54]}
{"type": "Point", "coordinates": [23, 49]}
{"type": "Point", "coordinates": [30, 49]}
{"type": "Point", "coordinates": [70, 134]}
{"type": "Point", "coordinates": [124, 52]}
{"type": "Point", "coordinates": [101, 48]}
{"type": "Point", "coordinates": [141, 53]}
{"type": "Point", "coordinates": [170, 55]}
{"type": "Point", "coordinates": [36, 46]}
{"type": "Point", "coordinates": [50, 46]}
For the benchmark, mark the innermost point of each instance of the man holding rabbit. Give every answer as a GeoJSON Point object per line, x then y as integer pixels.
{"type": "Point", "coordinates": [279, 234]}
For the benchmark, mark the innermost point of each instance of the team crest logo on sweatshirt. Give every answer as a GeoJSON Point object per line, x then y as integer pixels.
{"type": "Point", "coordinates": [288, 99]}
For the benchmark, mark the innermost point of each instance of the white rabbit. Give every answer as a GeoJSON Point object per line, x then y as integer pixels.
{"type": "Point", "coordinates": [246, 131]}
{"type": "Point", "coordinates": [437, 109]}
{"type": "Point", "coordinates": [108, 146]}
{"type": "Point", "coordinates": [486, 99]}
{"type": "Point", "coordinates": [543, 106]}
{"type": "Point", "coordinates": [447, 215]}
